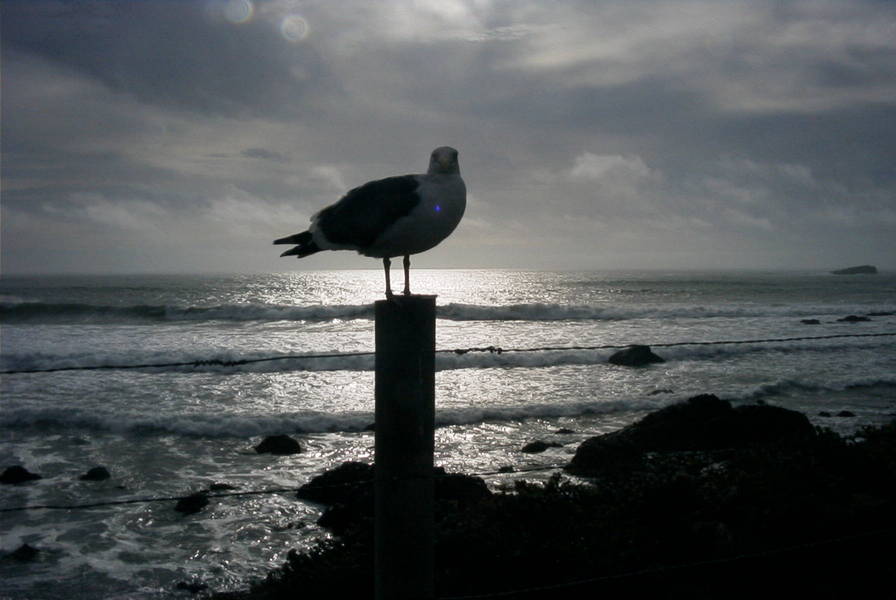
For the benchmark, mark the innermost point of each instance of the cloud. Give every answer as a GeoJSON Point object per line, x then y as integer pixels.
{"type": "Point", "coordinates": [139, 217]}
{"type": "Point", "coordinates": [741, 56]}
{"type": "Point", "coordinates": [609, 166]}
{"type": "Point", "coordinates": [263, 154]}
{"type": "Point", "coordinates": [173, 55]}
{"type": "Point", "coordinates": [590, 134]}
{"type": "Point", "coordinates": [332, 176]}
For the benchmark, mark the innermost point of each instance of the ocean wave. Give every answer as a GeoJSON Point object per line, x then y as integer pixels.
{"type": "Point", "coordinates": [564, 312]}
{"type": "Point", "coordinates": [786, 387]}
{"type": "Point", "coordinates": [250, 425]}
{"type": "Point", "coordinates": [40, 312]}
{"type": "Point", "coordinates": [243, 425]}
{"type": "Point", "coordinates": [195, 424]}
{"type": "Point", "coordinates": [446, 360]}
{"type": "Point", "coordinates": [723, 350]}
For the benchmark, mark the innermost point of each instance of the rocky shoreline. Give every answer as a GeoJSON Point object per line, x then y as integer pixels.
{"type": "Point", "coordinates": [698, 500]}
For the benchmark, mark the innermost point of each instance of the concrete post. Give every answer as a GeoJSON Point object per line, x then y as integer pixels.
{"type": "Point", "coordinates": [404, 527]}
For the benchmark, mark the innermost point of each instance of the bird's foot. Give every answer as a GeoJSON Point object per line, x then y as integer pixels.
{"type": "Point", "coordinates": [396, 300]}
{"type": "Point", "coordinates": [407, 292]}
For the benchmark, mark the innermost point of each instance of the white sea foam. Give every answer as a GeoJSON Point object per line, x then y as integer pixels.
{"type": "Point", "coordinates": [194, 425]}
{"type": "Point", "coordinates": [446, 360]}
{"type": "Point", "coordinates": [307, 422]}
{"type": "Point", "coordinates": [247, 426]}
{"type": "Point", "coordinates": [40, 312]}
{"type": "Point", "coordinates": [788, 386]}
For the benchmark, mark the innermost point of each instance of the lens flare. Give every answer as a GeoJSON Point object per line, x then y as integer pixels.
{"type": "Point", "coordinates": [294, 28]}
{"type": "Point", "coordinates": [239, 11]}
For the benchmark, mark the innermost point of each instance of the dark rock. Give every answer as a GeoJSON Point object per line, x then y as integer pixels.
{"type": "Point", "coordinates": [762, 424]}
{"type": "Point", "coordinates": [191, 586]}
{"type": "Point", "coordinates": [699, 423]}
{"type": "Point", "coordinates": [605, 454]}
{"type": "Point", "coordinates": [660, 391]}
{"type": "Point", "coordinates": [371, 427]}
{"type": "Point", "coordinates": [860, 270]}
{"type": "Point", "coordinates": [192, 504]}
{"type": "Point", "coordinates": [350, 479]}
{"type": "Point", "coordinates": [635, 356]}
{"type": "Point", "coordinates": [715, 534]}
{"type": "Point", "coordinates": [18, 474]}
{"type": "Point", "coordinates": [824, 413]}
{"type": "Point", "coordinates": [457, 487]}
{"type": "Point", "coordinates": [702, 423]}
{"type": "Point", "coordinates": [24, 553]}
{"type": "Point", "coordinates": [96, 474]}
{"type": "Point", "coordinates": [506, 469]}
{"type": "Point", "coordinates": [348, 490]}
{"type": "Point", "coordinates": [350, 515]}
{"type": "Point", "coordinates": [278, 444]}
{"type": "Point", "coordinates": [846, 413]}
{"type": "Point", "coordinates": [339, 484]}
{"type": "Point", "coordinates": [810, 322]}
{"type": "Point", "coordinates": [451, 491]}
{"type": "Point", "coordinates": [539, 446]}
{"type": "Point", "coordinates": [853, 319]}
{"type": "Point", "coordinates": [671, 524]}
{"type": "Point", "coordinates": [221, 487]}
{"type": "Point", "coordinates": [564, 431]}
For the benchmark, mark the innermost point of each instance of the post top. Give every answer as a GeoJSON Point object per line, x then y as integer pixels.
{"type": "Point", "coordinates": [409, 300]}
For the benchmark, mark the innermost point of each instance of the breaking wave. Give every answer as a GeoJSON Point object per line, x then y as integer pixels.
{"type": "Point", "coordinates": [446, 360]}
{"type": "Point", "coordinates": [312, 422]}
{"type": "Point", "coordinates": [39, 312]}
{"type": "Point", "coordinates": [306, 422]}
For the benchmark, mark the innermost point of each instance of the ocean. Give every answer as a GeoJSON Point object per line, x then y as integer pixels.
{"type": "Point", "coordinates": [173, 430]}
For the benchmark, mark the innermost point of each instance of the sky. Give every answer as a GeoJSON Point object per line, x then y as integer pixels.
{"type": "Point", "coordinates": [163, 136]}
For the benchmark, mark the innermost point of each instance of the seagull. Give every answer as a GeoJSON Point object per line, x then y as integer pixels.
{"type": "Point", "coordinates": [395, 216]}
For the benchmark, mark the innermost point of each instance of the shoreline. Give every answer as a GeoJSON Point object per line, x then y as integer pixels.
{"type": "Point", "coordinates": [553, 501]}
{"type": "Point", "coordinates": [694, 500]}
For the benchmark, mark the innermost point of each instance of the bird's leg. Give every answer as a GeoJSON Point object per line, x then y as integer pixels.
{"type": "Point", "coordinates": [407, 274]}
{"type": "Point", "coordinates": [386, 264]}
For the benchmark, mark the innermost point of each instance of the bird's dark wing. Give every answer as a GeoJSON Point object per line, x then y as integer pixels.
{"type": "Point", "coordinates": [367, 211]}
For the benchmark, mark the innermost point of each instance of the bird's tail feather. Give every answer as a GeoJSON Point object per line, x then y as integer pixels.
{"type": "Point", "coordinates": [298, 238]}
{"type": "Point", "coordinates": [305, 244]}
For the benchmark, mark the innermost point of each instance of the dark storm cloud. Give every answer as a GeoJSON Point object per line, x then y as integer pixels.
{"type": "Point", "coordinates": [262, 154]}
{"type": "Point", "coordinates": [181, 54]}
{"type": "Point", "coordinates": [689, 133]}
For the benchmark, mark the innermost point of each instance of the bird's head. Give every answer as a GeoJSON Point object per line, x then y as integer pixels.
{"type": "Point", "coordinates": [443, 160]}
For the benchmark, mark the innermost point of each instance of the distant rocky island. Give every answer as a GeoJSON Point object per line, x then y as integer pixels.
{"type": "Point", "coordinates": [860, 270]}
